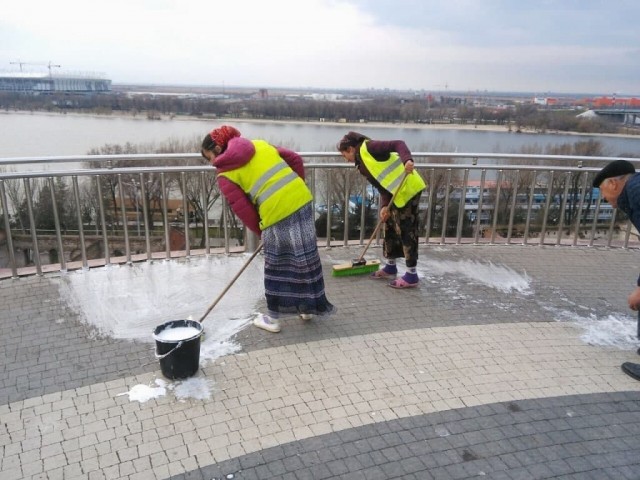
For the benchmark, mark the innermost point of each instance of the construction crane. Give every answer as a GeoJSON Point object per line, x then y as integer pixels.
{"type": "Point", "coordinates": [48, 65]}
{"type": "Point", "coordinates": [18, 63]}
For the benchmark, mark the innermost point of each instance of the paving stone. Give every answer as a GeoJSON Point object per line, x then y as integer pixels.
{"type": "Point", "coordinates": [507, 391]}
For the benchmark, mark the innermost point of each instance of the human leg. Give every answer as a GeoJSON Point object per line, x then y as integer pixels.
{"type": "Point", "coordinates": [391, 249]}
{"type": "Point", "coordinates": [389, 271]}
{"type": "Point", "coordinates": [407, 221]}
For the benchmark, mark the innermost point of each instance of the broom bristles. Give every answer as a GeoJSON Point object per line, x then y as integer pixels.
{"type": "Point", "coordinates": [347, 269]}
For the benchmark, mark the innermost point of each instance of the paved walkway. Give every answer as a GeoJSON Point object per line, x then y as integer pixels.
{"type": "Point", "coordinates": [459, 378]}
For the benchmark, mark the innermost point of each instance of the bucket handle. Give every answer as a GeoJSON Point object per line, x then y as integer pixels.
{"type": "Point", "coordinates": [160, 357]}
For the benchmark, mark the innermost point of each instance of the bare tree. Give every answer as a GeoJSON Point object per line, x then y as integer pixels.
{"type": "Point", "coordinates": [16, 197]}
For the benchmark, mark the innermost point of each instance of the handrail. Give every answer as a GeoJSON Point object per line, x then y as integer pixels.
{"type": "Point", "coordinates": [519, 204]}
{"type": "Point", "coordinates": [198, 157]}
{"type": "Point", "coordinates": [321, 166]}
{"type": "Point", "coordinates": [207, 168]}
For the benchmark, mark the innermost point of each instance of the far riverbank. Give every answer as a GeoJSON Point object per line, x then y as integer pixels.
{"type": "Point", "coordinates": [27, 134]}
{"type": "Point", "coordinates": [630, 133]}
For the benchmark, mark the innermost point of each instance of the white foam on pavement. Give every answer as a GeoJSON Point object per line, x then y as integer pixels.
{"type": "Point", "coordinates": [500, 277]}
{"type": "Point", "coordinates": [130, 301]}
{"type": "Point", "coordinates": [615, 330]}
{"type": "Point", "coordinates": [144, 393]}
{"type": "Point", "coordinates": [196, 388]}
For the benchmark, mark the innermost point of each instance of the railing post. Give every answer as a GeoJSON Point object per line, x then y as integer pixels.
{"type": "Point", "coordinates": [329, 211]}
{"type": "Point", "coordinates": [7, 231]}
{"type": "Point", "coordinates": [125, 223]}
{"type": "Point", "coordinates": [532, 191]}
{"type": "Point", "coordinates": [496, 208]}
{"type": "Point", "coordinates": [145, 216]}
{"type": "Point", "coordinates": [165, 216]}
{"type": "Point", "coordinates": [578, 219]}
{"type": "Point", "coordinates": [205, 214]}
{"type": "Point", "coordinates": [105, 236]}
{"type": "Point", "coordinates": [56, 222]}
{"type": "Point", "coordinates": [83, 247]}
{"type": "Point", "coordinates": [563, 207]}
{"type": "Point", "coordinates": [251, 241]}
{"type": "Point", "coordinates": [514, 203]}
{"type": "Point", "coordinates": [461, 210]}
{"type": "Point", "coordinates": [445, 210]}
{"type": "Point", "coordinates": [483, 177]}
{"type": "Point", "coordinates": [430, 208]}
{"type": "Point", "coordinates": [32, 227]}
{"type": "Point", "coordinates": [185, 215]}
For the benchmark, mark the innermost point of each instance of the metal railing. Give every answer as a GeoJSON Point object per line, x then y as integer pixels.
{"type": "Point", "coordinates": [142, 213]}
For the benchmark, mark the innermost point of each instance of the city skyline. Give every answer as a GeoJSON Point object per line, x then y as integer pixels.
{"type": "Point", "coordinates": [559, 46]}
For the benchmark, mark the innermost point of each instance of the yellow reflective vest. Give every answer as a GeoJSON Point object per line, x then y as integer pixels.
{"type": "Point", "coordinates": [389, 174]}
{"type": "Point", "coordinates": [271, 184]}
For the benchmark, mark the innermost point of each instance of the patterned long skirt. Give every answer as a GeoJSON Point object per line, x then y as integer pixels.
{"type": "Point", "coordinates": [293, 278]}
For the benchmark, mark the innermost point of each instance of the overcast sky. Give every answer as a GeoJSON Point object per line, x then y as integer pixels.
{"type": "Point", "coordinates": [581, 46]}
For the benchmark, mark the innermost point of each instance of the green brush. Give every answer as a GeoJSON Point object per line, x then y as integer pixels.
{"type": "Point", "coordinates": [352, 268]}
{"type": "Point", "coordinates": [360, 266]}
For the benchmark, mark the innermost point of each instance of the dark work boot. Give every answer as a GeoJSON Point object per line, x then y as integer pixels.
{"type": "Point", "coordinates": [631, 369]}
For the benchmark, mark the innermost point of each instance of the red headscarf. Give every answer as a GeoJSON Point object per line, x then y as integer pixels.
{"type": "Point", "coordinates": [222, 135]}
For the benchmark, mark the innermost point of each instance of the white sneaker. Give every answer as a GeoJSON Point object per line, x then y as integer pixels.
{"type": "Point", "coordinates": [267, 323]}
{"type": "Point", "coordinates": [306, 316]}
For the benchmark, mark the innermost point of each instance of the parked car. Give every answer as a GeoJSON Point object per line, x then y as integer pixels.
{"type": "Point", "coordinates": [335, 209]}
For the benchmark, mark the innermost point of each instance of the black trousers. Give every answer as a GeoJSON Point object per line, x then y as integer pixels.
{"type": "Point", "coordinates": [401, 232]}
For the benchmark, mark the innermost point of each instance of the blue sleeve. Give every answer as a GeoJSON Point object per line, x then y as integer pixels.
{"type": "Point", "coordinates": [632, 189]}
{"type": "Point", "coordinates": [634, 215]}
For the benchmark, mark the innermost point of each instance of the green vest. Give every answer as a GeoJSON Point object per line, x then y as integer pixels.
{"type": "Point", "coordinates": [271, 184]}
{"type": "Point", "coordinates": [389, 174]}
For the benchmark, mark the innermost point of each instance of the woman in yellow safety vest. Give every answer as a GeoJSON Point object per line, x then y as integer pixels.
{"type": "Point", "coordinates": [385, 165]}
{"type": "Point", "coordinates": [265, 188]}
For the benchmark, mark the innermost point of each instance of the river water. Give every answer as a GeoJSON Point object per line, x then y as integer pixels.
{"type": "Point", "coordinates": [43, 134]}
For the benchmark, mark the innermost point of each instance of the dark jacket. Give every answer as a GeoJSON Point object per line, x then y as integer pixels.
{"type": "Point", "coordinates": [629, 202]}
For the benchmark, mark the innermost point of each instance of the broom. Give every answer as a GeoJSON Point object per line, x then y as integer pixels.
{"type": "Point", "coordinates": [360, 266]}
{"type": "Point", "coordinates": [226, 289]}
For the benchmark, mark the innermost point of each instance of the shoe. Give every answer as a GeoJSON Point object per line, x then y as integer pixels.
{"type": "Point", "coordinates": [267, 323]}
{"type": "Point", "coordinates": [408, 280]}
{"type": "Point", "coordinates": [631, 369]}
{"type": "Point", "coordinates": [385, 273]}
{"type": "Point", "coordinates": [306, 316]}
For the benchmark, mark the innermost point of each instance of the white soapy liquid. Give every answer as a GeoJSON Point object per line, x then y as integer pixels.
{"type": "Point", "coordinates": [177, 334]}
{"type": "Point", "coordinates": [129, 302]}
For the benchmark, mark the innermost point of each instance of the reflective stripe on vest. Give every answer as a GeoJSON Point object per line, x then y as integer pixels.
{"type": "Point", "coordinates": [389, 174]}
{"type": "Point", "coordinates": [258, 198]}
{"type": "Point", "coordinates": [271, 185]}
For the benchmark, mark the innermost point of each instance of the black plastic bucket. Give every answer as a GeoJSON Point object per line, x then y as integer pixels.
{"type": "Point", "coordinates": [179, 357]}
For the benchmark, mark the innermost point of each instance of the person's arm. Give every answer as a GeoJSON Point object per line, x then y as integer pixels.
{"type": "Point", "coordinates": [634, 297]}
{"type": "Point", "coordinates": [240, 204]}
{"type": "Point", "coordinates": [380, 150]}
{"type": "Point", "coordinates": [293, 160]}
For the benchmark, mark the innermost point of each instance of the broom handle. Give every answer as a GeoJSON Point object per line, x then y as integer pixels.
{"type": "Point", "coordinates": [375, 231]}
{"type": "Point", "coordinates": [246, 264]}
